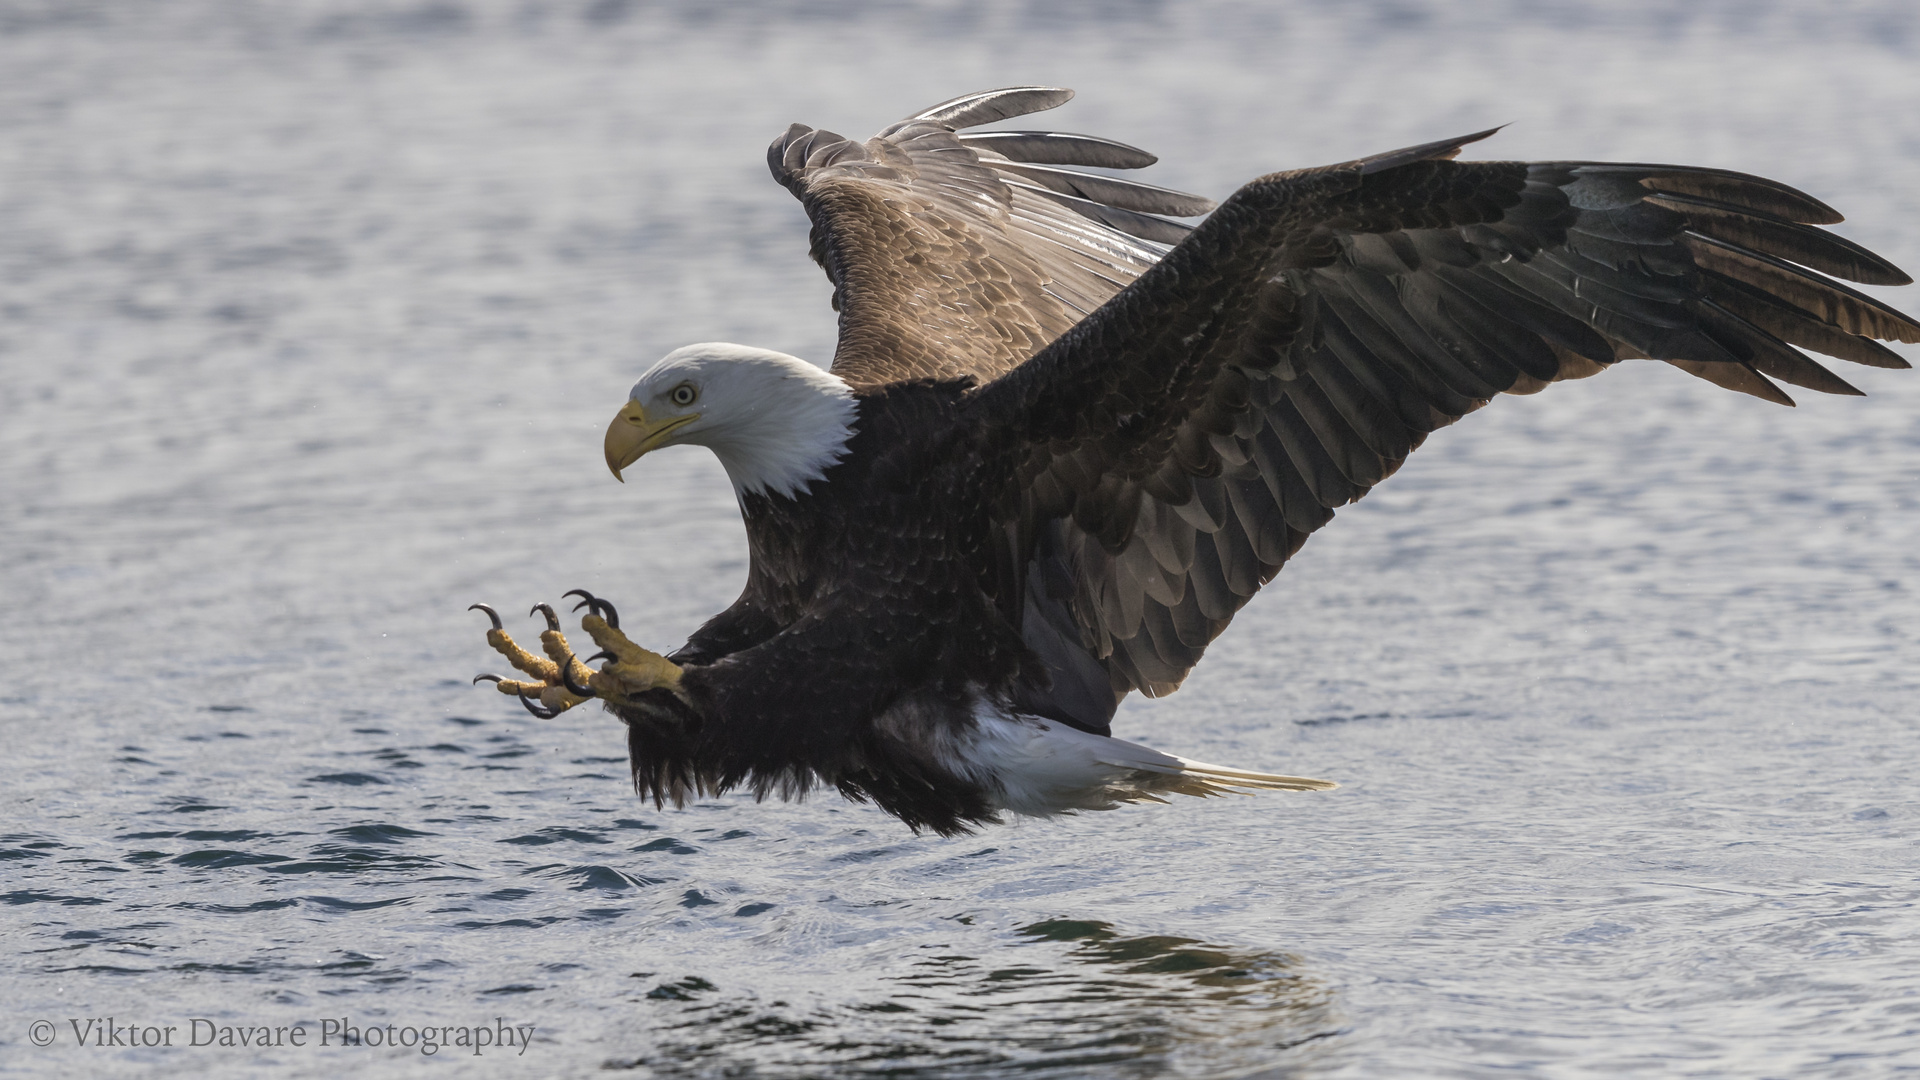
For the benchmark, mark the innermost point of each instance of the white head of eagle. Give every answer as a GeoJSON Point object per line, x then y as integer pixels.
{"type": "Point", "coordinates": [776, 422]}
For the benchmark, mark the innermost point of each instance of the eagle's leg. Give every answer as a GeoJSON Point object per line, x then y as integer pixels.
{"type": "Point", "coordinates": [558, 674]}
{"type": "Point", "coordinates": [634, 670]}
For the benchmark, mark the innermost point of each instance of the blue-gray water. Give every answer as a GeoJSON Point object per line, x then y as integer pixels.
{"type": "Point", "coordinates": [313, 313]}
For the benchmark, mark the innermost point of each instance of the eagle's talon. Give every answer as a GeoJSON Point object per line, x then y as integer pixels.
{"type": "Point", "coordinates": [566, 678]}
{"type": "Point", "coordinates": [493, 678]}
{"type": "Point", "coordinates": [537, 710]}
{"type": "Point", "coordinates": [553, 621]}
{"type": "Point", "coordinates": [595, 605]}
{"type": "Point", "coordinates": [491, 614]}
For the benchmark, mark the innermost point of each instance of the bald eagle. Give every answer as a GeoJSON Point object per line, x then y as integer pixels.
{"type": "Point", "coordinates": [1066, 436]}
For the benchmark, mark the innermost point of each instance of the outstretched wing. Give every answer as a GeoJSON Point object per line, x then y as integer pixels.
{"type": "Point", "coordinates": [957, 255]}
{"type": "Point", "coordinates": [1163, 460]}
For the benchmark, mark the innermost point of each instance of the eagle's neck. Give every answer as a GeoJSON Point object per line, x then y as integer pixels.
{"type": "Point", "coordinates": [794, 430]}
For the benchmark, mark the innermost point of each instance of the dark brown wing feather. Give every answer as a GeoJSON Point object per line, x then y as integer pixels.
{"type": "Point", "coordinates": [1163, 459]}
{"type": "Point", "coordinates": [963, 255]}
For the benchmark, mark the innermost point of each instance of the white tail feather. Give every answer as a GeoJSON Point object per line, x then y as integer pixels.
{"type": "Point", "coordinates": [1249, 778]}
{"type": "Point", "coordinates": [1041, 767]}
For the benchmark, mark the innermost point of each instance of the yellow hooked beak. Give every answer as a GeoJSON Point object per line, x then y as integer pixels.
{"type": "Point", "coordinates": [632, 434]}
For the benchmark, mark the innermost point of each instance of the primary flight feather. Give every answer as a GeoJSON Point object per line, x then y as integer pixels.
{"type": "Point", "coordinates": [1066, 436]}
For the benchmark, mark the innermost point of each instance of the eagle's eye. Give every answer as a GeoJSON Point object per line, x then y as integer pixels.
{"type": "Point", "coordinates": [683, 395]}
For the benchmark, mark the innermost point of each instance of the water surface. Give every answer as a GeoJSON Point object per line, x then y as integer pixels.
{"type": "Point", "coordinates": [313, 314]}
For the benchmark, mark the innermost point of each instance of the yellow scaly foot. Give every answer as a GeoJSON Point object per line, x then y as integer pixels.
{"type": "Point", "coordinates": [564, 681]}
{"type": "Point", "coordinates": [562, 677]}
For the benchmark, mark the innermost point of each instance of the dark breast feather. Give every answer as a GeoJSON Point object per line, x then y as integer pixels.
{"type": "Point", "coordinates": [1161, 461]}
{"type": "Point", "coordinates": [863, 626]}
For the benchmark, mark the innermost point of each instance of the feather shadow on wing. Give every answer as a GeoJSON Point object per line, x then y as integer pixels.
{"type": "Point", "coordinates": [1066, 436]}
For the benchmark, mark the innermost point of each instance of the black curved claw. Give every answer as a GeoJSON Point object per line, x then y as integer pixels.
{"type": "Point", "coordinates": [489, 678]}
{"type": "Point", "coordinates": [491, 614]}
{"type": "Point", "coordinates": [601, 655]}
{"type": "Point", "coordinates": [540, 711]}
{"type": "Point", "coordinates": [553, 621]}
{"type": "Point", "coordinates": [596, 605]}
{"type": "Point", "coordinates": [566, 677]}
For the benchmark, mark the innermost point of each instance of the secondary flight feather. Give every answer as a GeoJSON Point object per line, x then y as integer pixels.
{"type": "Point", "coordinates": [1066, 435]}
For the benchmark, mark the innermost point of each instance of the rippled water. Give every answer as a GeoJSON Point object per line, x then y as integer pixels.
{"type": "Point", "coordinates": [313, 313]}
